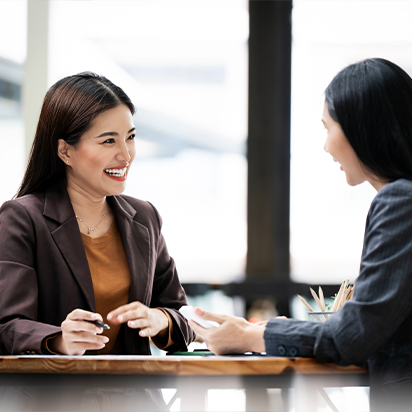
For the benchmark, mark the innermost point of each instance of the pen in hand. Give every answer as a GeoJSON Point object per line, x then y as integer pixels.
{"type": "Point", "coordinates": [98, 323]}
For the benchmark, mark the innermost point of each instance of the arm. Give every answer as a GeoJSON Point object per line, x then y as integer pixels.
{"type": "Point", "coordinates": [19, 330]}
{"type": "Point", "coordinates": [380, 304]}
{"type": "Point", "coordinates": [382, 296]}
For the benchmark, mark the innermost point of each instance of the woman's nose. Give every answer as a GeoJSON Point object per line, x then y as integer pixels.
{"type": "Point", "coordinates": [124, 153]}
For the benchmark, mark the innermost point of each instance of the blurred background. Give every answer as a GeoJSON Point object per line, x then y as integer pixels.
{"type": "Point", "coordinates": [188, 67]}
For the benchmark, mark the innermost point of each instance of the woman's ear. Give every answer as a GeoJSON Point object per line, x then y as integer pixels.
{"type": "Point", "coordinates": [62, 151]}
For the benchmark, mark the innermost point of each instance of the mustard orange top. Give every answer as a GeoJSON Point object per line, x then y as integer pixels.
{"type": "Point", "coordinates": [111, 283]}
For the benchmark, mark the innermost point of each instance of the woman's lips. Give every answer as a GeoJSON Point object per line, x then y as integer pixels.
{"type": "Point", "coordinates": [117, 178]}
{"type": "Point", "coordinates": [118, 167]}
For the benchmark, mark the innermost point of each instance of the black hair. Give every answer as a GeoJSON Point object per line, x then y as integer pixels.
{"type": "Point", "coordinates": [68, 111]}
{"type": "Point", "coordinates": [372, 102]}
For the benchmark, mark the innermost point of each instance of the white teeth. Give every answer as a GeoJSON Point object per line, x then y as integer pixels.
{"type": "Point", "coordinates": [116, 172]}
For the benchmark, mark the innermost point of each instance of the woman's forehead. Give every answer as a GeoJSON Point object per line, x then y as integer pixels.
{"type": "Point", "coordinates": [118, 119]}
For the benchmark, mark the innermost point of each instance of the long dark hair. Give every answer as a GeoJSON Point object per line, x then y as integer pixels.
{"type": "Point", "coordinates": [372, 102]}
{"type": "Point", "coordinates": [68, 110]}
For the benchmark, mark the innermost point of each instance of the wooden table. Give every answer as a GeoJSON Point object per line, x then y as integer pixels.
{"type": "Point", "coordinates": [192, 376]}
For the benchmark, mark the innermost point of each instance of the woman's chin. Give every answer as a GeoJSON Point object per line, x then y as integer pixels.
{"type": "Point", "coordinates": [117, 189]}
{"type": "Point", "coordinates": [353, 182]}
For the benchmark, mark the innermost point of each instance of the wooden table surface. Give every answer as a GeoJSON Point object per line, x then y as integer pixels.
{"type": "Point", "coordinates": [171, 365]}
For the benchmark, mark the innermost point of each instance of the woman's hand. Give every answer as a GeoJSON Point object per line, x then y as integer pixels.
{"type": "Point", "coordinates": [77, 335]}
{"type": "Point", "coordinates": [151, 322]}
{"type": "Point", "coordinates": [234, 335]}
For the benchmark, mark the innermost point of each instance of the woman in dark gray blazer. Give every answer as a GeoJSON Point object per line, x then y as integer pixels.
{"type": "Point", "coordinates": [70, 242]}
{"type": "Point", "coordinates": [368, 116]}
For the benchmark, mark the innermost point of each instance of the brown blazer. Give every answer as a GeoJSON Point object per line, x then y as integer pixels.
{"type": "Point", "coordinates": [44, 273]}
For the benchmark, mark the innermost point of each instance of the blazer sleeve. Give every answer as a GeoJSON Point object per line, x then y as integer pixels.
{"type": "Point", "coordinates": [19, 331]}
{"type": "Point", "coordinates": [169, 294]}
{"type": "Point", "coordinates": [381, 301]}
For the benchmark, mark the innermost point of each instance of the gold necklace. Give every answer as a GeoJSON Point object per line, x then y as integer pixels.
{"type": "Point", "coordinates": [92, 229]}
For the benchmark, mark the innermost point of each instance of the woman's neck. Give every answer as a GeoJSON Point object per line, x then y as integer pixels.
{"type": "Point", "coordinates": [377, 184]}
{"type": "Point", "coordinates": [85, 205]}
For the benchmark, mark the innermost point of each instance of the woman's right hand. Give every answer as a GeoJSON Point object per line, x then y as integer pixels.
{"type": "Point", "coordinates": [77, 335]}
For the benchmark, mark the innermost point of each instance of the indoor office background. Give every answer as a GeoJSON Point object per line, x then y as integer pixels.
{"type": "Point", "coordinates": [185, 66]}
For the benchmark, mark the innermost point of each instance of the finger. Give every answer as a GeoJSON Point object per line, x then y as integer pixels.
{"type": "Point", "coordinates": [200, 330]}
{"type": "Point", "coordinates": [147, 332]}
{"type": "Point", "coordinates": [80, 348]}
{"type": "Point", "coordinates": [210, 316]}
{"type": "Point", "coordinates": [114, 314]}
{"type": "Point", "coordinates": [134, 314]}
{"type": "Point", "coordinates": [85, 338]}
{"type": "Point", "coordinates": [80, 314]}
{"type": "Point", "coordinates": [81, 326]}
{"type": "Point", "coordinates": [138, 323]}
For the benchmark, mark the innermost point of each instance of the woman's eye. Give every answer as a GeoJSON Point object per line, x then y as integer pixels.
{"type": "Point", "coordinates": [131, 137]}
{"type": "Point", "coordinates": [108, 141]}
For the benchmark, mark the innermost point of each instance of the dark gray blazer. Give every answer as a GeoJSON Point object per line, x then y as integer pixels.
{"type": "Point", "coordinates": [375, 327]}
{"type": "Point", "coordinates": [44, 273]}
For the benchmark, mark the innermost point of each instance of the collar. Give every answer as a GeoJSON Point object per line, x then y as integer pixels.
{"type": "Point", "coordinates": [58, 207]}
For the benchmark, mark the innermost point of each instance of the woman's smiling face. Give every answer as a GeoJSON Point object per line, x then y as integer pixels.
{"type": "Point", "coordinates": [338, 146]}
{"type": "Point", "coordinates": [100, 162]}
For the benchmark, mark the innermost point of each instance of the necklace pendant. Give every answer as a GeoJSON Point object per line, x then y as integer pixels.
{"type": "Point", "coordinates": [92, 229]}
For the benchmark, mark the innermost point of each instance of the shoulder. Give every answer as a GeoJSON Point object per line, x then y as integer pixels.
{"type": "Point", "coordinates": [396, 196]}
{"type": "Point", "coordinates": [391, 211]}
{"type": "Point", "coordinates": [20, 217]}
{"type": "Point", "coordinates": [25, 205]}
{"type": "Point", "coordinates": [398, 188]}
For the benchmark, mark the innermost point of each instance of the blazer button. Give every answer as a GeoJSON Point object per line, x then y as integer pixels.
{"type": "Point", "coordinates": [281, 350]}
{"type": "Point", "coordinates": [293, 352]}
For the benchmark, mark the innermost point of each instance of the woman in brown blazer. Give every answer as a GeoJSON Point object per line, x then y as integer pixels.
{"type": "Point", "coordinates": [73, 249]}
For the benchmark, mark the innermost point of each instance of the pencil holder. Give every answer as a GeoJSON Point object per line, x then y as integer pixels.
{"type": "Point", "coordinates": [319, 316]}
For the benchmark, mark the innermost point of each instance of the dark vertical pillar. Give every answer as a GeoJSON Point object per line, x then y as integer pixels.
{"type": "Point", "coordinates": [269, 139]}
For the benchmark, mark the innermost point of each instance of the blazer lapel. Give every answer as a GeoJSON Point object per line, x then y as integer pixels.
{"type": "Point", "coordinates": [68, 239]}
{"type": "Point", "coordinates": [136, 244]}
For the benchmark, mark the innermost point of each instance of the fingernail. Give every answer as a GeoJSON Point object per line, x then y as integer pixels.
{"type": "Point", "coordinates": [109, 316]}
{"type": "Point", "coordinates": [99, 330]}
{"type": "Point", "coordinates": [132, 324]}
{"type": "Point", "coordinates": [105, 339]}
{"type": "Point", "coordinates": [143, 333]}
{"type": "Point", "coordinates": [94, 316]}
{"type": "Point", "coordinates": [198, 311]}
{"type": "Point", "coordinates": [120, 318]}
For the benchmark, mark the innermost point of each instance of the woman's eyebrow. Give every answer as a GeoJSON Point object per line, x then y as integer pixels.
{"type": "Point", "coordinates": [115, 133]}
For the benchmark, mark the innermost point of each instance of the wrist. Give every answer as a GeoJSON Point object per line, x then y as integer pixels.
{"type": "Point", "coordinates": [256, 338]}
{"type": "Point", "coordinates": [163, 322]}
{"type": "Point", "coordinates": [56, 344]}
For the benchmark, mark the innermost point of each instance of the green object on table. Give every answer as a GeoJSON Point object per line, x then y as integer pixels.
{"type": "Point", "coordinates": [201, 352]}
{"type": "Point", "coordinates": [194, 353]}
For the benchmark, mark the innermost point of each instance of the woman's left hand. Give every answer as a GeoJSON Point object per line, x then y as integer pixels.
{"type": "Point", "coordinates": [234, 335]}
{"type": "Point", "coordinates": [151, 322]}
